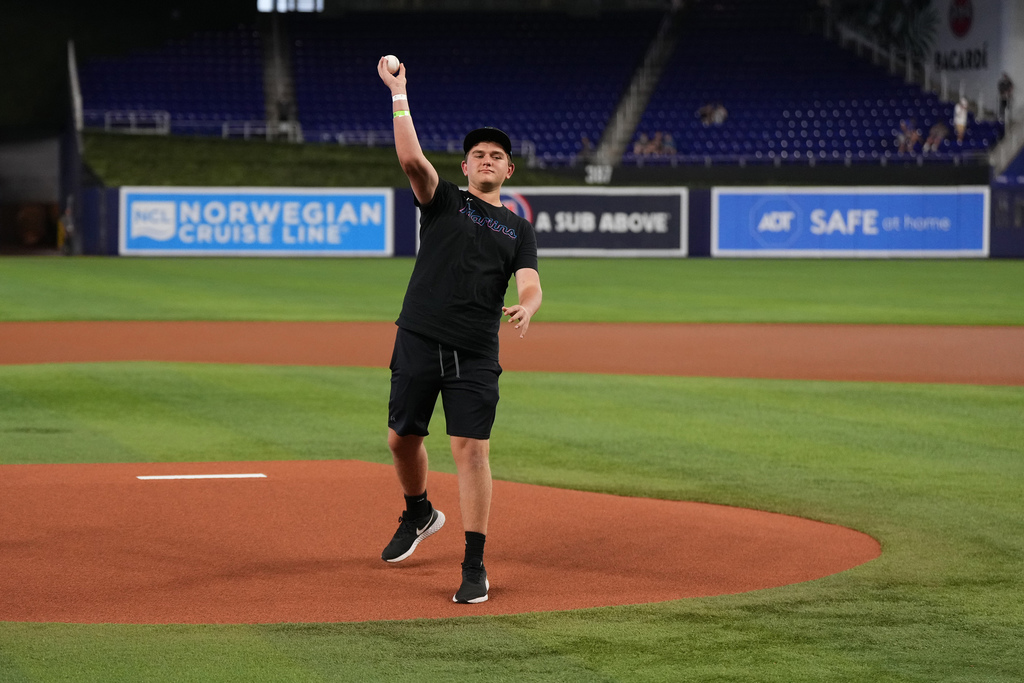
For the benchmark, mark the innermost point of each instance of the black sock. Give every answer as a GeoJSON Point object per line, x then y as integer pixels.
{"type": "Point", "coordinates": [475, 548]}
{"type": "Point", "coordinates": [417, 506]}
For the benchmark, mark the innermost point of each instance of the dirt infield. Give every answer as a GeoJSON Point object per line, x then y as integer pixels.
{"type": "Point", "coordinates": [93, 543]}
{"type": "Point", "coordinates": [896, 353]}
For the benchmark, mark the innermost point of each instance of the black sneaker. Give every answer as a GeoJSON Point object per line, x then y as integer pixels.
{"type": "Point", "coordinates": [474, 585]}
{"type": "Point", "coordinates": [410, 533]}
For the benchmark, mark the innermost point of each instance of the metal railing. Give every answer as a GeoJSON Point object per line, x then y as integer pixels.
{"type": "Point", "coordinates": [847, 158]}
{"type": "Point", "coordinates": [522, 150]}
{"type": "Point", "coordinates": [919, 72]}
{"type": "Point", "coordinates": [248, 130]}
{"type": "Point", "coordinates": [136, 121]}
{"type": "Point", "coordinates": [159, 122]}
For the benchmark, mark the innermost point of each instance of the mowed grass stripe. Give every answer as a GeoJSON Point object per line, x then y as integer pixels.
{"type": "Point", "coordinates": [178, 412]}
{"type": "Point", "coordinates": [968, 292]}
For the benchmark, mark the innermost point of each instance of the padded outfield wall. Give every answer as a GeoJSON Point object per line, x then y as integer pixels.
{"type": "Point", "coordinates": [852, 222]}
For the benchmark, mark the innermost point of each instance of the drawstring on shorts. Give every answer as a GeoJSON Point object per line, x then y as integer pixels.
{"type": "Point", "coordinates": [440, 356]}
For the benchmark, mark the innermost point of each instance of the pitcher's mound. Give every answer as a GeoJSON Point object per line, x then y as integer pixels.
{"type": "Point", "coordinates": [94, 543]}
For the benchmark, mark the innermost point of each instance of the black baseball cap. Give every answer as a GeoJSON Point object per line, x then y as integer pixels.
{"type": "Point", "coordinates": [487, 134]}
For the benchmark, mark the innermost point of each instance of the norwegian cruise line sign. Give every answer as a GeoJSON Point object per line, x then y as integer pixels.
{"type": "Point", "coordinates": [187, 221]}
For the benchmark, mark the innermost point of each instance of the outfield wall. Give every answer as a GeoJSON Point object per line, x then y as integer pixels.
{"type": "Point", "coordinates": [765, 222]}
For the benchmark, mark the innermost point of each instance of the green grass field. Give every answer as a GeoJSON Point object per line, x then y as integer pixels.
{"type": "Point", "coordinates": [970, 292]}
{"type": "Point", "coordinates": [935, 472]}
{"type": "Point", "coordinates": [155, 160]}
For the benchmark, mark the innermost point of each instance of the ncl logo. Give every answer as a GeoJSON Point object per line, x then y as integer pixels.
{"type": "Point", "coordinates": [155, 220]}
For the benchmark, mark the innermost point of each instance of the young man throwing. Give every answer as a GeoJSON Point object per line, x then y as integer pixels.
{"type": "Point", "coordinates": [447, 339]}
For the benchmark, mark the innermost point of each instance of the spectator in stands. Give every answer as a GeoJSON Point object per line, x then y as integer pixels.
{"type": "Point", "coordinates": [719, 114]}
{"type": "Point", "coordinates": [960, 120]}
{"type": "Point", "coordinates": [668, 144]}
{"type": "Point", "coordinates": [908, 136]}
{"type": "Point", "coordinates": [657, 144]}
{"type": "Point", "coordinates": [654, 145]}
{"type": "Point", "coordinates": [705, 113]}
{"type": "Point", "coordinates": [936, 134]}
{"type": "Point", "coordinates": [1005, 96]}
{"type": "Point", "coordinates": [641, 144]}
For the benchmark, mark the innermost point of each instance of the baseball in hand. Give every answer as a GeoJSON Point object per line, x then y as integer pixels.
{"type": "Point", "coordinates": [392, 63]}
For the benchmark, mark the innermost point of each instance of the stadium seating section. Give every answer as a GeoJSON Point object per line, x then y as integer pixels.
{"type": "Point", "coordinates": [549, 81]}
{"type": "Point", "coordinates": [552, 80]}
{"type": "Point", "coordinates": [790, 95]}
{"type": "Point", "coordinates": [207, 79]}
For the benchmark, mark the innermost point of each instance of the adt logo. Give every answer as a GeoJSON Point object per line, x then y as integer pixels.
{"type": "Point", "coordinates": [961, 14]}
{"type": "Point", "coordinates": [517, 204]}
{"type": "Point", "coordinates": [775, 221]}
{"type": "Point", "coordinates": [155, 220]}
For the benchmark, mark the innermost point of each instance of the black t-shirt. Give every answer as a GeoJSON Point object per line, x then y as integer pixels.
{"type": "Point", "coordinates": [468, 251]}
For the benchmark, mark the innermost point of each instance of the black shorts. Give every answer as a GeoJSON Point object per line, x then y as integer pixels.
{"type": "Point", "coordinates": [421, 368]}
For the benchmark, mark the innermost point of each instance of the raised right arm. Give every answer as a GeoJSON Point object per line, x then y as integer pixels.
{"type": "Point", "coordinates": [422, 175]}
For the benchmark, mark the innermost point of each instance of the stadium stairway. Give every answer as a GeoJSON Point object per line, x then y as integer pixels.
{"type": "Point", "coordinates": [278, 83]}
{"type": "Point", "coordinates": [622, 127]}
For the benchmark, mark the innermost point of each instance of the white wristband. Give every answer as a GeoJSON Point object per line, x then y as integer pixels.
{"type": "Point", "coordinates": [399, 98]}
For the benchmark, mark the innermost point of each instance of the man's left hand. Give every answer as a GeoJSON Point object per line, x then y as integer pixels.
{"type": "Point", "coordinates": [520, 316]}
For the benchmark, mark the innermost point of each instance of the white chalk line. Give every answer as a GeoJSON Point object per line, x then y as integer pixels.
{"type": "Point", "coordinates": [204, 476]}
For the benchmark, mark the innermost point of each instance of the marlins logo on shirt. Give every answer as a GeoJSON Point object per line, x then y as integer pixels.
{"type": "Point", "coordinates": [491, 223]}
